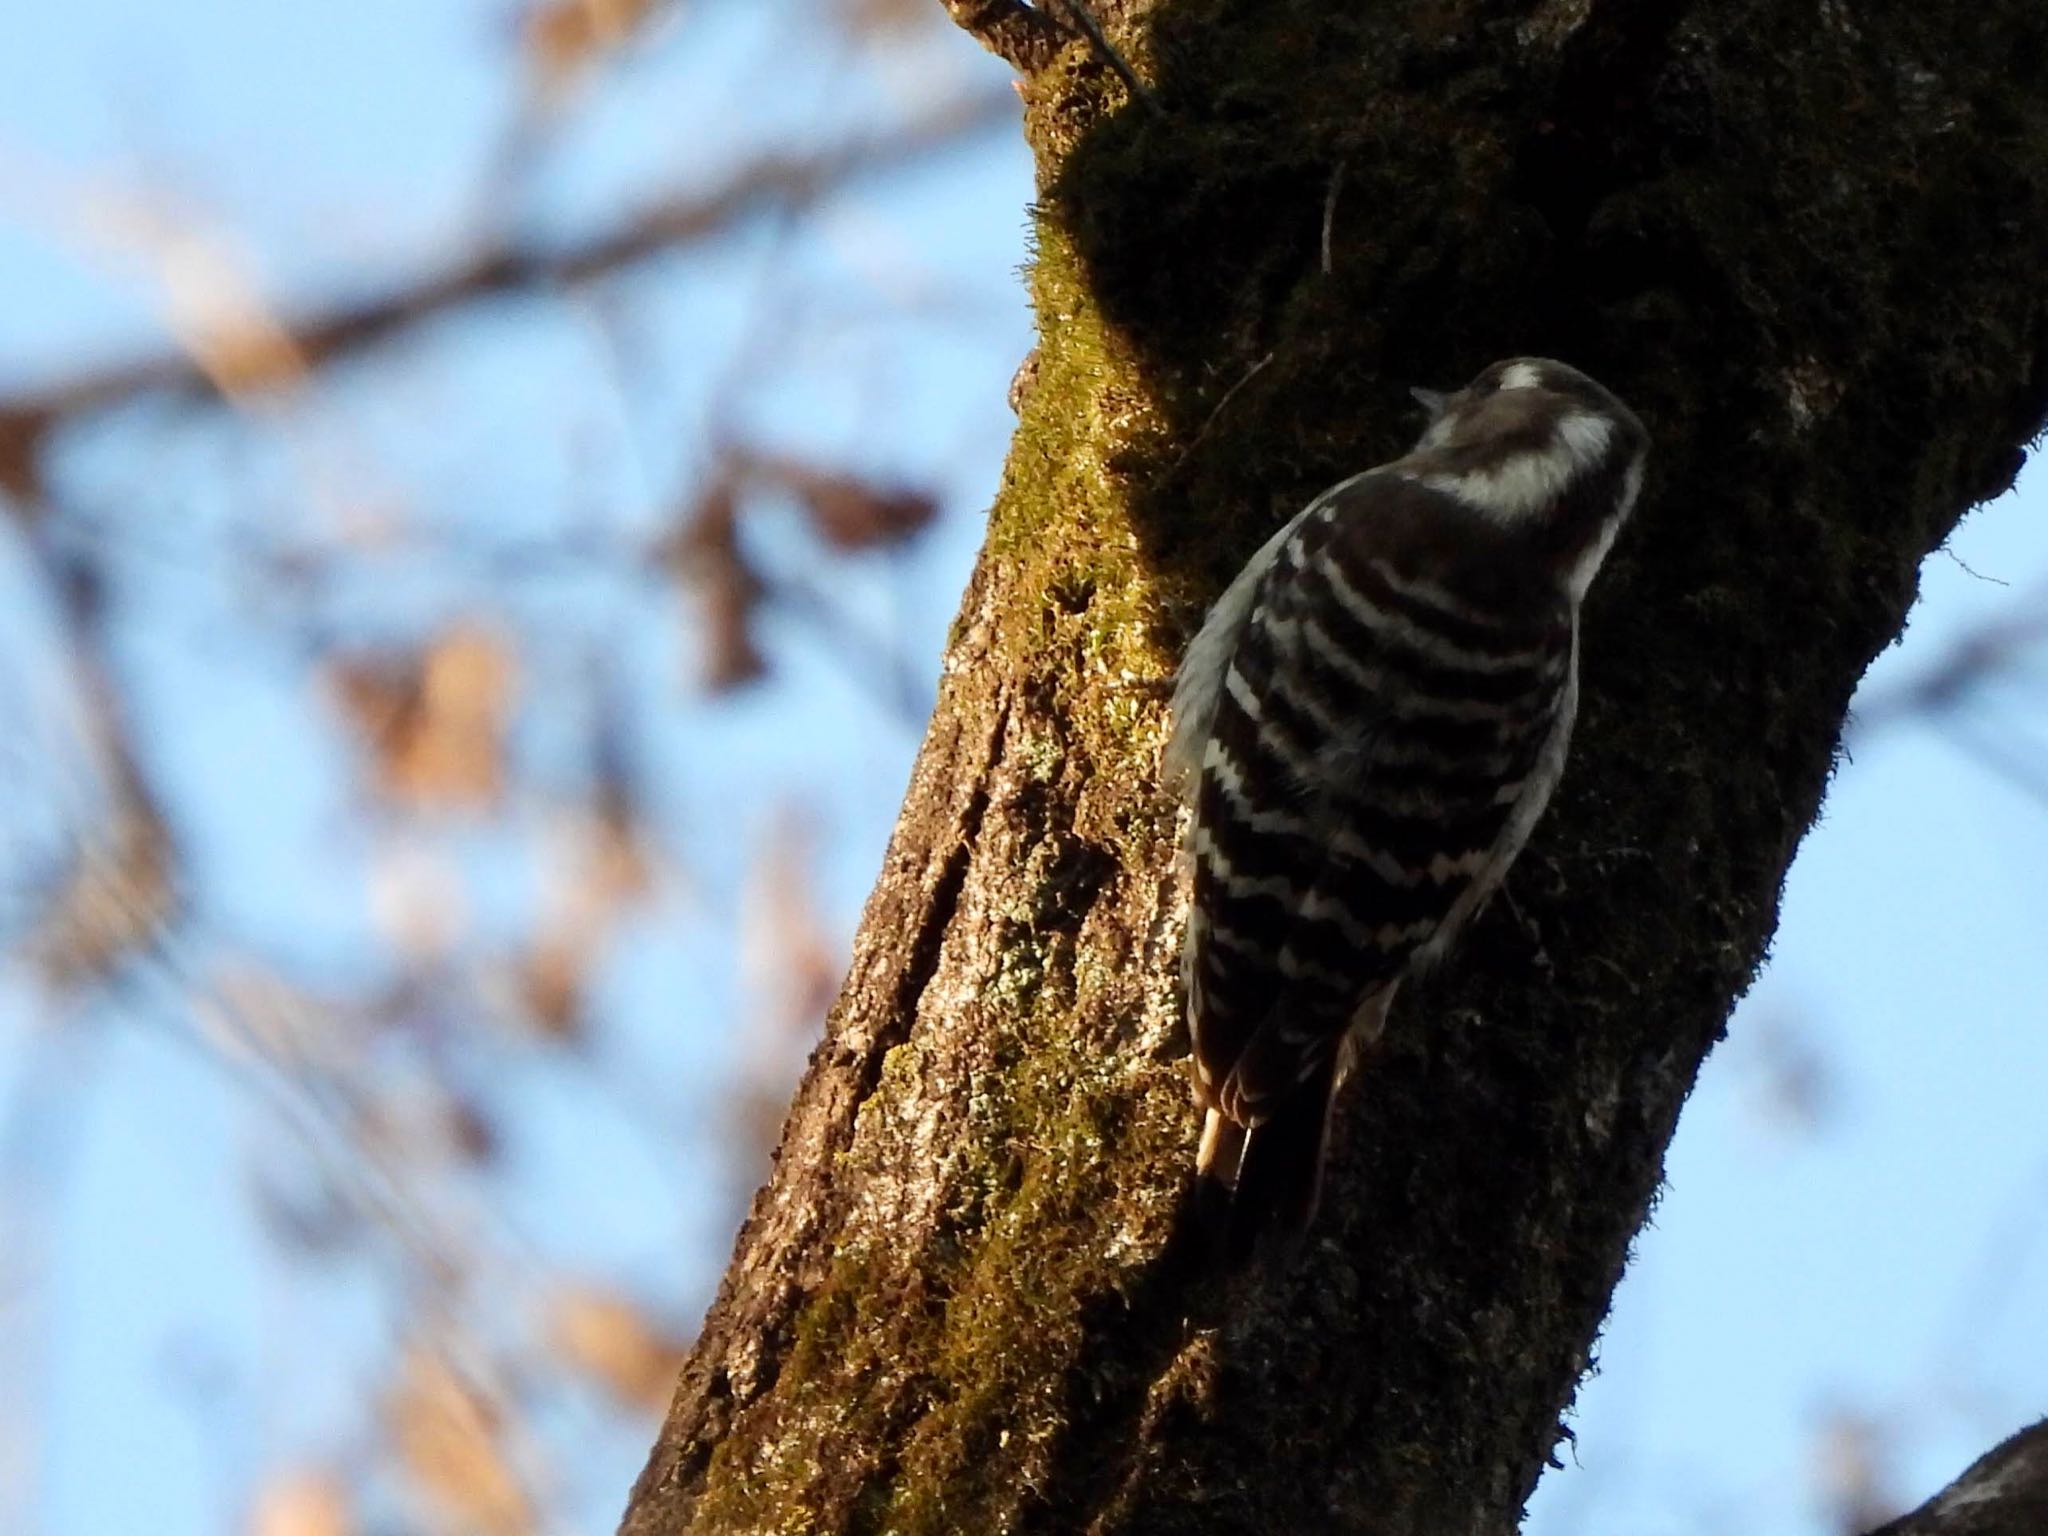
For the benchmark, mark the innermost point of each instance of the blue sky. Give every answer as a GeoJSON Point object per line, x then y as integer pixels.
{"type": "Point", "coordinates": [1874, 1256]}
{"type": "Point", "coordinates": [1882, 1260]}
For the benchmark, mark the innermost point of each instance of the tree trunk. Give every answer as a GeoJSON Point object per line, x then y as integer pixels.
{"type": "Point", "coordinates": [1804, 242]}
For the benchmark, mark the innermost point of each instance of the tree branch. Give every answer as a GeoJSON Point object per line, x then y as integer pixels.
{"type": "Point", "coordinates": [1022, 36]}
{"type": "Point", "coordinates": [2003, 1493]}
{"type": "Point", "coordinates": [318, 337]}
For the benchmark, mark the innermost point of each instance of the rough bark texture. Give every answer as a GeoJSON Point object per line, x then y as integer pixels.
{"type": "Point", "coordinates": [1804, 241]}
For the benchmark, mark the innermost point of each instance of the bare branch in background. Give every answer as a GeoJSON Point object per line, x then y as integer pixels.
{"type": "Point", "coordinates": [790, 182]}
{"type": "Point", "coordinates": [120, 888]}
{"type": "Point", "coordinates": [610, 1339]}
{"type": "Point", "coordinates": [1952, 697]}
{"type": "Point", "coordinates": [120, 893]}
{"type": "Point", "coordinates": [1987, 654]}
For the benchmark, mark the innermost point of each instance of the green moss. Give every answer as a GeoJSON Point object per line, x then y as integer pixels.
{"type": "Point", "coordinates": [971, 1373]}
{"type": "Point", "coordinates": [1054, 1132]}
{"type": "Point", "coordinates": [1004, 1341]}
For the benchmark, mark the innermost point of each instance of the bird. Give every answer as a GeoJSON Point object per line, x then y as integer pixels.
{"type": "Point", "coordinates": [1366, 728]}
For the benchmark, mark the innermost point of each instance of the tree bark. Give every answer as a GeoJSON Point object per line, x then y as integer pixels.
{"type": "Point", "coordinates": [1804, 243]}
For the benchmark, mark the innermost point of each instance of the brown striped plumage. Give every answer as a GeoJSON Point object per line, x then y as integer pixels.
{"type": "Point", "coordinates": [1369, 725]}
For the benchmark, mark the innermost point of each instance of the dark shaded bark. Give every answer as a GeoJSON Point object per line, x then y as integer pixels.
{"type": "Point", "coordinates": [1804, 243]}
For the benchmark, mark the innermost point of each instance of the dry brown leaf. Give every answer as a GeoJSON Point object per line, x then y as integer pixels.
{"type": "Point", "coordinates": [565, 37]}
{"type": "Point", "coordinates": [450, 1442]}
{"type": "Point", "coordinates": [706, 557]}
{"type": "Point", "coordinates": [617, 869]}
{"type": "Point", "coordinates": [304, 1501]}
{"type": "Point", "coordinates": [435, 723]}
{"type": "Point", "coordinates": [1850, 1458]}
{"type": "Point", "coordinates": [21, 443]}
{"type": "Point", "coordinates": [847, 511]}
{"type": "Point", "coordinates": [551, 982]}
{"type": "Point", "coordinates": [608, 1338]}
{"type": "Point", "coordinates": [223, 321]}
{"type": "Point", "coordinates": [603, 871]}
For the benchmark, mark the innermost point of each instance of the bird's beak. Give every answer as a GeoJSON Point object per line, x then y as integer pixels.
{"type": "Point", "coordinates": [1431, 400]}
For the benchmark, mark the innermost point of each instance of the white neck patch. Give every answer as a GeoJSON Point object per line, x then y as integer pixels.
{"type": "Point", "coordinates": [1525, 483]}
{"type": "Point", "coordinates": [1586, 436]}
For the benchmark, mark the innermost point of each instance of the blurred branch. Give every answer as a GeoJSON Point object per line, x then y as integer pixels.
{"type": "Point", "coordinates": [507, 268]}
{"type": "Point", "coordinates": [1986, 653]}
{"type": "Point", "coordinates": [118, 882]}
{"type": "Point", "coordinates": [2003, 1493]}
{"type": "Point", "coordinates": [1952, 694]}
{"type": "Point", "coordinates": [121, 890]}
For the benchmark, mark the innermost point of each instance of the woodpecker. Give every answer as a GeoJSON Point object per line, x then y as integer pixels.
{"type": "Point", "coordinates": [1367, 727]}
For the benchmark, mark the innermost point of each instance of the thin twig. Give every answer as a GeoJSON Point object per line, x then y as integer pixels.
{"type": "Point", "coordinates": [1330, 216]}
{"type": "Point", "coordinates": [1084, 22]}
{"type": "Point", "coordinates": [1229, 395]}
{"type": "Point", "coordinates": [1972, 571]}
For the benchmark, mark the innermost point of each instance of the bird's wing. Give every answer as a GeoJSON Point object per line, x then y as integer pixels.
{"type": "Point", "coordinates": [1371, 740]}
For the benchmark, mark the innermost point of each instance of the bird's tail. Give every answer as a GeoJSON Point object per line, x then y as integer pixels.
{"type": "Point", "coordinates": [1258, 1186]}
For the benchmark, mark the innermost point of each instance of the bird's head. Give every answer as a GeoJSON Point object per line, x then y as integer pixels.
{"type": "Point", "coordinates": [1536, 446]}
